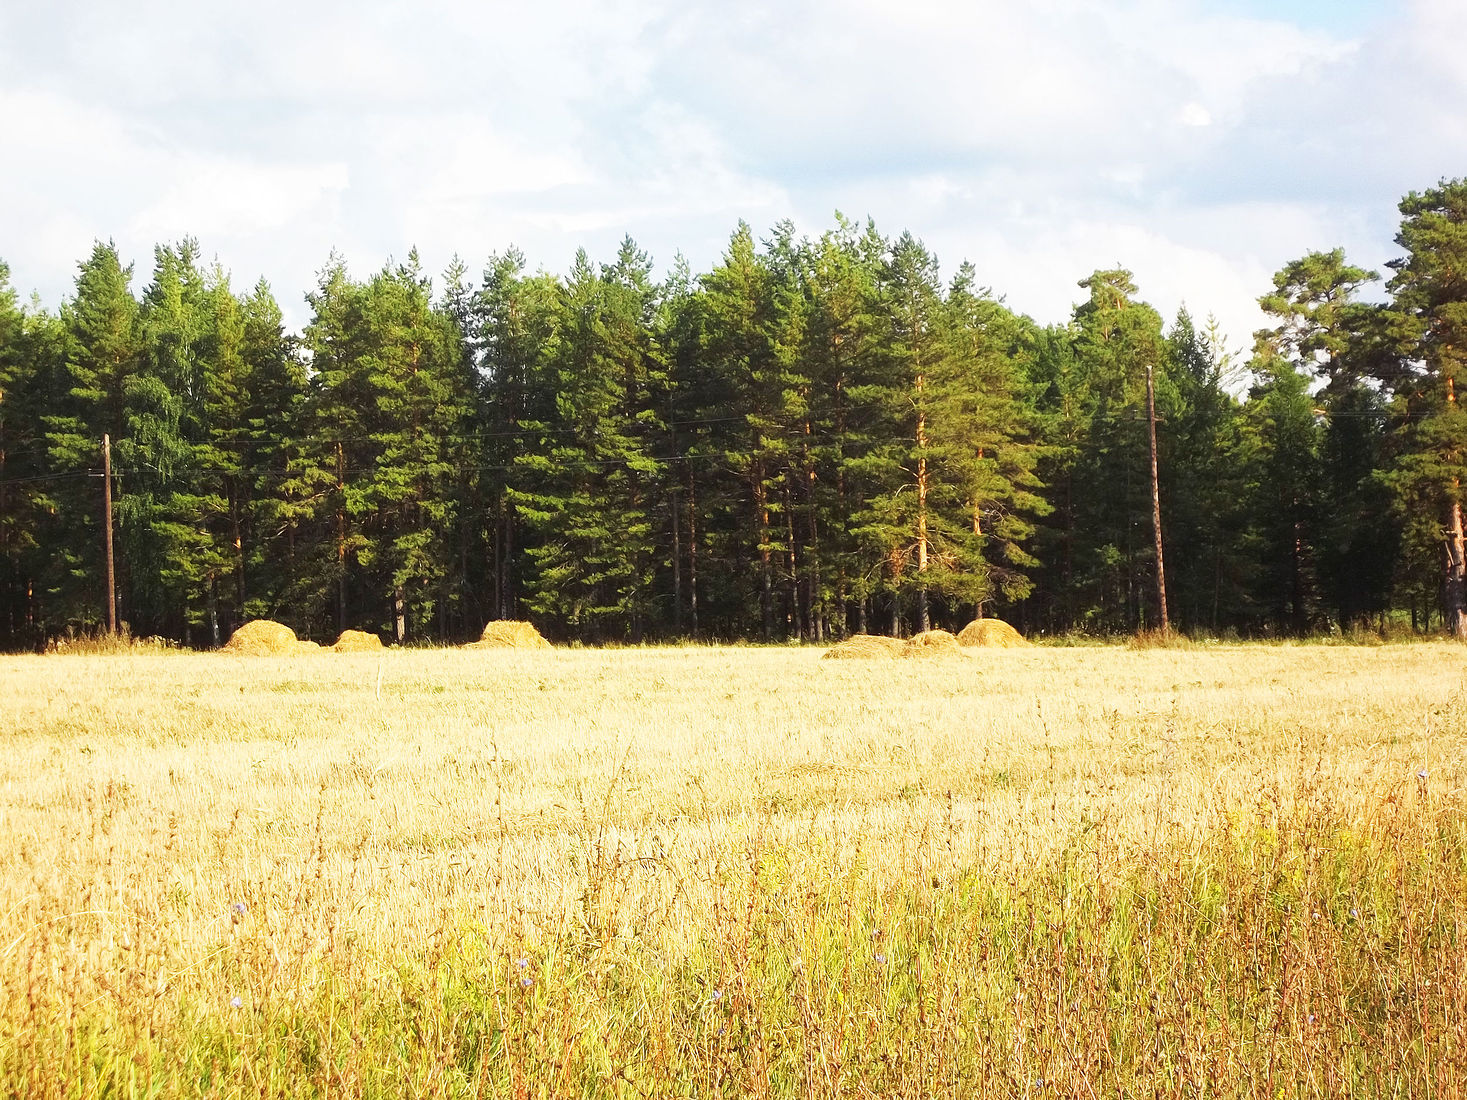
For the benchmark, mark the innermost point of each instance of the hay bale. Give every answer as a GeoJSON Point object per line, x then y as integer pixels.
{"type": "Point", "coordinates": [509, 634]}
{"type": "Point", "coordinates": [991, 634]}
{"type": "Point", "coordinates": [857, 646]}
{"type": "Point", "coordinates": [262, 638]}
{"type": "Point", "coordinates": [357, 641]}
{"type": "Point", "coordinates": [932, 643]}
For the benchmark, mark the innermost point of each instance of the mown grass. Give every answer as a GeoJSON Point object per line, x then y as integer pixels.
{"type": "Point", "coordinates": [1213, 871]}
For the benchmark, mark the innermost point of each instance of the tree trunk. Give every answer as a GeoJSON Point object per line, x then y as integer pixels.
{"type": "Point", "coordinates": [1156, 507]}
{"type": "Point", "coordinates": [692, 553]}
{"type": "Point", "coordinates": [507, 607]}
{"type": "Point", "coordinates": [340, 538]}
{"type": "Point", "coordinates": [766, 578]}
{"type": "Point", "coordinates": [923, 622]}
{"type": "Point", "coordinates": [793, 586]}
{"type": "Point", "coordinates": [238, 540]}
{"type": "Point", "coordinates": [677, 568]}
{"type": "Point", "coordinates": [1454, 590]}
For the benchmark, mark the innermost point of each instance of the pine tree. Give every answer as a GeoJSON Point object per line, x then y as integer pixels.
{"type": "Point", "coordinates": [21, 466]}
{"type": "Point", "coordinates": [894, 524]}
{"type": "Point", "coordinates": [1430, 288]}
{"type": "Point", "coordinates": [741, 349]}
{"type": "Point", "coordinates": [170, 498]}
{"type": "Point", "coordinates": [88, 399]}
{"type": "Point", "coordinates": [1283, 493]}
{"type": "Point", "coordinates": [982, 438]}
{"type": "Point", "coordinates": [1092, 384]}
{"type": "Point", "coordinates": [1202, 482]}
{"type": "Point", "coordinates": [417, 402]}
{"type": "Point", "coordinates": [329, 456]}
{"type": "Point", "coordinates": [845, 355]}
{"type": "Point", "coordinates": [590, 496]}
{"type": "Point", "coordinates": [514, 325]}
{"type": "Point", "coordinates": [265, 516]}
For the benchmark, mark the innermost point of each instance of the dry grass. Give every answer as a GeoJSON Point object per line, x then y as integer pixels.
{"type": "Point", "coordinates": [509, 634]}
{"type": "Point", "coordinates": [357, 641]}
{"type": "Point", "coordinates": [991, 634]}
{"type": "Point", "coordinates": [932, 643]}
{"type": "Point", "coordinates": [865, 647]}
{"type": "Point", "coordinates": [265, 638]}
{"type": "Point", "coordinates": [1222, 870]}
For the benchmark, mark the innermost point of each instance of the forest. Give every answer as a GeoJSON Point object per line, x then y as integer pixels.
{"type": "Point", "coordinates": [817, 437]}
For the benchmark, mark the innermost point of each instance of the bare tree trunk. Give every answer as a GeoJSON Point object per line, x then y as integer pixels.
{"type": "Point", "coordinates": [1454, 591]}
{"type": "Point", "coordinates": [815, 606]}
{"type": "Point", "coordinates": [793, 587]}
{"type": "Point", "coordinates": [507, 608]}
{"type": "Point", "coordinates": [1454, 587]}
{"type": "Point", "coordinates": [692, 552]}
{"type": "Point", "coordinates": [766, 568]}
{"type": "Point", "coordinates": [1156, 507]}
{"type": "Point", "coordinates": [399, 615]}
{"type": "Point", "coordinates": [677, 569]}
{"type": "Point", "coordinates": [340, 538]}
{"type": "Point", "coordinates": [238, 540]}
{"type": "Point", "coordinates": [107, 518]}
{"type": "Point", "coordinates": [923, 621]}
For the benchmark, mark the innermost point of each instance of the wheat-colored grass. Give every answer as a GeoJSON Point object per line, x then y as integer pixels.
{"type": "Point", "coordinates": [332, 841]}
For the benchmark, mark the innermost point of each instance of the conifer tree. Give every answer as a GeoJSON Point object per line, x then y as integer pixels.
{"type": "Point", "coordinates": [1202, 482]}
{"type": "Point", "coordinates": [1095, 397]}
{"type": "Point", "coordinates": [983, 444]}
{"type": "Point", "coordinates": [321, 491]}
{"type": "Point", "coordinates": [409, 376]}
{"type": "Point", "coordinates": [845, 352]}
{"type": "Point", "coordinates": [590, 498]}
{"type": "Point", "coordinates": [740, 347]}
{"type": "Point", "coordinates": [265, 517]}
{"type": "Point", "coordinates": [1283, 494]}
{"type": "Point", "coordinates": [1430, 288]}
{"type": "Point", "coordinates": [21, 465]}
{"type": "Point", "coordinates": [101, 355]}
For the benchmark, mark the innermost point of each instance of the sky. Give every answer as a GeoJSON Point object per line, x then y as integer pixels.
{"type": "Point", "coordinates": [1201, 145]}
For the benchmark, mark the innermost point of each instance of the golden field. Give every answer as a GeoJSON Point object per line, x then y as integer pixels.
{"type": "Point", "coordinates": [1206, 870]}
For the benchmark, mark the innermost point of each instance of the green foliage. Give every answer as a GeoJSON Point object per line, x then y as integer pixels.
{"type": "Point", "coordinates": [814, 438]}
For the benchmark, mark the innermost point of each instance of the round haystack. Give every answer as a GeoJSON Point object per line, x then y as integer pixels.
{"type": "Point", "coordinates": [932, 643]}
{"type": "Point", "coordinates": [992, 634]}
{"type": "Point", "coordinates": [509, 634]}
{"type": "Point", "coordinates": [262, 638]}
{"type": "Point", "coordinates": [857, 646]}
{"type": "Point", "coordinates": [357, 641]}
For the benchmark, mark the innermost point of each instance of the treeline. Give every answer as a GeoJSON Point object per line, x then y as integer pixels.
{"type": "Point", "coordinates": [816, 437]}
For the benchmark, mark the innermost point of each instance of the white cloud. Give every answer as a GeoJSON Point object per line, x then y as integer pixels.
{"type": "Point", "coordinates": [1201, 149]}
{"type": "Point", "coordinates": [1194, 114]}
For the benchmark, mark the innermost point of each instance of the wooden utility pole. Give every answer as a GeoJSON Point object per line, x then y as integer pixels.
{"type": "Point", "coordinates": [1156, 505]}
{"type": "Point", "coordinates": [107, 509]}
